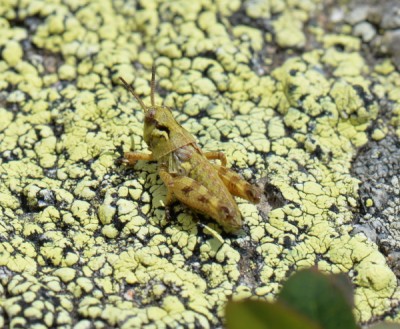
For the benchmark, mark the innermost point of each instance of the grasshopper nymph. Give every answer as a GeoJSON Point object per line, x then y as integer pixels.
{"type": "Point", "coordinates": [185, 170]}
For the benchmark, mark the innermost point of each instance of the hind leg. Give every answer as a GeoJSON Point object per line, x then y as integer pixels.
{"type": "Point", "coordinates": [198, 197]}
{"type": "Point", "coordinates": [237, 186]}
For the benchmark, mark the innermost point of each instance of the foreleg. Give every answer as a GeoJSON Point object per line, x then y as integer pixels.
{"type": "Point", "coordinates": [130, 158]}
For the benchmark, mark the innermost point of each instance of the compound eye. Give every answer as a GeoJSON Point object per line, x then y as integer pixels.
{"type": "Point", "coordinates": [151, 113]}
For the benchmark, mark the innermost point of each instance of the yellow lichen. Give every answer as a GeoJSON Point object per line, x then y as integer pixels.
{"type": "Point", "coordinates": [92, 235]}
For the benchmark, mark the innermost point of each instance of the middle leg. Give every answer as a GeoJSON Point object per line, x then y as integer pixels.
{"type": "Point", "coordinates": [216, 156]}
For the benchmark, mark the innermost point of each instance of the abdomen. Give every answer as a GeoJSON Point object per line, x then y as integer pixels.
{"type": "Point", "coordinates": [212, 196]}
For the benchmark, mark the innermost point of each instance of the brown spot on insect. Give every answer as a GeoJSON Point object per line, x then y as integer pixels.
{"type": "Point", "coordinates": [187, 189]}
{"type": "Point", "coordinates": [186, 170]}
{"type": "Point", "coordinates": [203, 198]}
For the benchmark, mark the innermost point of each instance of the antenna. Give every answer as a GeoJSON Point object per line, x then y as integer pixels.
{"type": "Point", "coordinates": [130, 89]}
{"type": "Point", "coordinates": [153, 83]}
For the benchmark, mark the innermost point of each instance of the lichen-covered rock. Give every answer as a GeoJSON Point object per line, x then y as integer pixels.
{"type": "Point", "coordinates": [86, 243]}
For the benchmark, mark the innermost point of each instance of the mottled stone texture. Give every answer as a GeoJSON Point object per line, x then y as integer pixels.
{"type": "Point", "coordinates": [291, 91]}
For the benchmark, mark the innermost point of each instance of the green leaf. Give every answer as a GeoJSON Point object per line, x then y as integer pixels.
{"type": "Point", "coordinates": [325, 299]}
{"type": "Point", "coordinates": [263, 315]}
